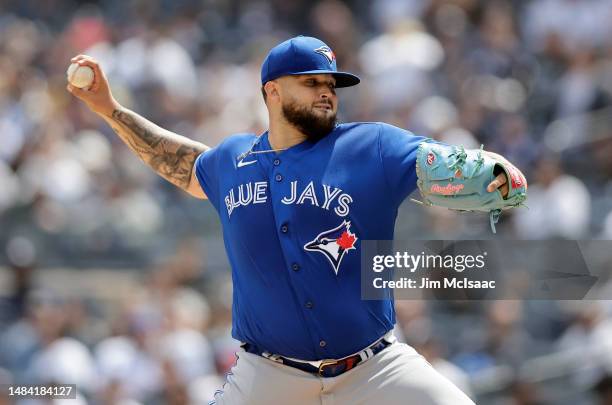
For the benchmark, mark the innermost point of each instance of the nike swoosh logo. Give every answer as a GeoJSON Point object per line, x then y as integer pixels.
{"type": "Point", "coordinates": [242, 163]}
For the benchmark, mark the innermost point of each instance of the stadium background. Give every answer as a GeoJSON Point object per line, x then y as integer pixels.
{"type": "Point", "coordinates": [112, 279]}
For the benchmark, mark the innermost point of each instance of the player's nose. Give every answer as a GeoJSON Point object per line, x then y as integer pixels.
{"type": "Point", "coordinates": [326, 92]}
{"type": "Point", "coordinates": [326, 98]}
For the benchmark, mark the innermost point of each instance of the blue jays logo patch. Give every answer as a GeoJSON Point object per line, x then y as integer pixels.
{"type": "Point", "coordinates": [334, 244]}
{"type": "Point", "coordinates": [327, 52]}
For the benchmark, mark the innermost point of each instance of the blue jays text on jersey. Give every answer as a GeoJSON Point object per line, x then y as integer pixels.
{"type": "Point", "coordinates": [292, 225]}
{"type": "Point", "coordinates": [256, 193]}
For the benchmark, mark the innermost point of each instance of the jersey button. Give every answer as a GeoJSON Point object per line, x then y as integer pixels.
{"type": "Point", "coordinates": [309, 305]}
{"type": "Point", "coordinates": [322, 343]}
{"type": "Point", "coordinates": [284, 228]}
{"type": "Point", "coordinates": [278, 177]}
{"type": "Point", "coordinates": [295, 267]}
{"type": "Point", "coordinates": [276, 162]}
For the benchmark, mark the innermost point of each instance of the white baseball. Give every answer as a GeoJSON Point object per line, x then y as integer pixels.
{"type": "Point", "coordinates": [80, 76]}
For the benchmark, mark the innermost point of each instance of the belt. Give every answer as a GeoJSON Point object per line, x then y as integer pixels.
{"type": "Point", "coordinates": [329, 367]}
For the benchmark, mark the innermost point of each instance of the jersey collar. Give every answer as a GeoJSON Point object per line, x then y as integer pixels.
{"type": "Point", "coordinates": [300, 147]}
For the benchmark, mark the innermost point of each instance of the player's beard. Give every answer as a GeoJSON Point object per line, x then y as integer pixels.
{"type": "Point", "coordinates": [306, 121]}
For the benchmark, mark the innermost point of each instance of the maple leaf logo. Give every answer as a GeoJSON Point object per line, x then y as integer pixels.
{"type": "Point", "coordinates": [346, 240]}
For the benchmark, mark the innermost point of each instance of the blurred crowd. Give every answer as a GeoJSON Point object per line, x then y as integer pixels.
{"type": "Point", "coordinates": [531, 80]}
{"type": "Point", "coordinates": [154, 338]}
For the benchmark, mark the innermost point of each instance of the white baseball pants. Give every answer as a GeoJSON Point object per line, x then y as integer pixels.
{"type": "Point", "coordinates": [396, 375]}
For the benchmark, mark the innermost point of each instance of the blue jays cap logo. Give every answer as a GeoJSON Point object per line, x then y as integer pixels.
{"type": "Point", "coordinates": [327, 52]}
{"type": "Point", "coordinates": [334, 243]}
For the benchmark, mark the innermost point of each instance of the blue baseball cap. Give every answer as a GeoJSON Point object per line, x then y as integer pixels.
{"type": "Point", "coordinates": [303, 55]}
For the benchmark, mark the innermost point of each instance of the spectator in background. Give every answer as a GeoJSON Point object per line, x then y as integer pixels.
{"type": "Point", "coordinates": [21, 255]}
{"type": "Point", "coordinates": [18, 344]}
{"type": "Point", "coordinates": [13, 307]}
{"type": "Point", "coordinates": [513, 140]}
{"type": "Point", "coordinates": [60, 358]}
{"type": "Point", "coordinates": [590, 337]}
{"type": "Point", "coordinates": [559, 204]}
{"type": "Point", "coordinates": [128, 369]}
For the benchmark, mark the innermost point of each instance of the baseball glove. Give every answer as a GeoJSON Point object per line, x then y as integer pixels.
{"type": "Point", "coordinates": [455, 178]}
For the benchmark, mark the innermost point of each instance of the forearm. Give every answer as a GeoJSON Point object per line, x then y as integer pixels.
{"type": "Point", "coordinates": [172, 156]}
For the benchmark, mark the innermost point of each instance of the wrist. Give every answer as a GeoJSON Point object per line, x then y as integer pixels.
{"type": "Point", "coordinates": [107, 111]}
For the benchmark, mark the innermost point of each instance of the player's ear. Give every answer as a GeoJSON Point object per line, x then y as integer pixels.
{"type": "Point", "coordinates": [272, 91]}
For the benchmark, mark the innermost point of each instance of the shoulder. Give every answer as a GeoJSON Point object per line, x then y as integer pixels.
{"type": "Point", "coordinates": [354, 133]}
{"type": "Point", "coordinates": [375, 127]}
{"type": "Point", "coordinates": [374, 135]}
{"type": "Point", "coordinates": [358, 128]}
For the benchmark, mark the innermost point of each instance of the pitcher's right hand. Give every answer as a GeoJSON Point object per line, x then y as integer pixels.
{"type": "Point", "coordinates": [98, 97]}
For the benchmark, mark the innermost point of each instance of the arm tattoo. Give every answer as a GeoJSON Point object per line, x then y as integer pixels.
{"type": "Point", "coordinates": [172, 156]}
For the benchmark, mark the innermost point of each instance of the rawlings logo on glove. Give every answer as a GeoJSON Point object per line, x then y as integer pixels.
{"type": "Point", "coordinates": [449, 189]}
{"type": "Point", "coordinates": [455, 178]}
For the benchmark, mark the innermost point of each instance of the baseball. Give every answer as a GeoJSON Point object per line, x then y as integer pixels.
{"type": "Point", "coordinates": [80, 76]}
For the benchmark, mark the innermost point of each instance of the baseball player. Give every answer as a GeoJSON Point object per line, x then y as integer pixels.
{"type": "Point", "coordinates": [295, 203]}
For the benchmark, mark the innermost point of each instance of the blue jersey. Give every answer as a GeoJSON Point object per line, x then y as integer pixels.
{"type": "Point", "coordinates": [292, 225]}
